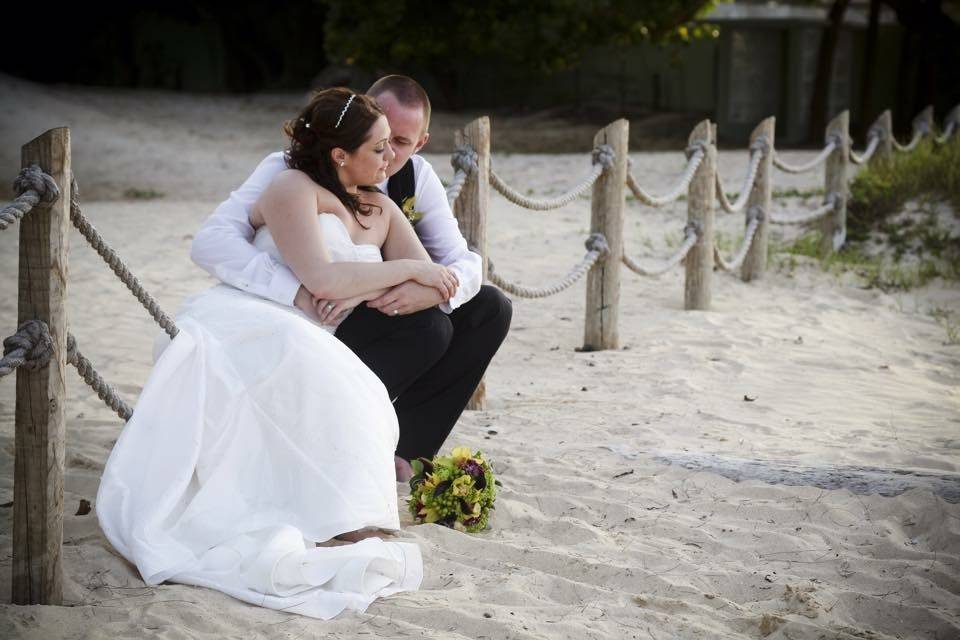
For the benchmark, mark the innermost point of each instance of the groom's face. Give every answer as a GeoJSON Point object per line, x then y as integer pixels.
{"type": "Point", "coordinates": [406, 126]}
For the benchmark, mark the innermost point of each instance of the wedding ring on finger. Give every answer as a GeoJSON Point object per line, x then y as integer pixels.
{"type": "Point", "coordinates": [329, 306]}
{"type": "Point", "coordinates": [396, 312]}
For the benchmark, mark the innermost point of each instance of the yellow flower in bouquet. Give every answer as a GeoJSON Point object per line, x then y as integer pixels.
{"type": "Point", "coordinates": [457, 491]}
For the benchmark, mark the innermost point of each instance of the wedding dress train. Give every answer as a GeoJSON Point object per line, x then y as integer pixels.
{"type": "Point", "coordinates": [257, 435]}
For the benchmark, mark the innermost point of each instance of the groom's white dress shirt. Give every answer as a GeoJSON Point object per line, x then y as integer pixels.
{"type": "Point", "coordinates": [223, 246]}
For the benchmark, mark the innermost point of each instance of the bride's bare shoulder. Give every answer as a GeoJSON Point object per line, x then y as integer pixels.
{"type": "Point", "coordinates": [289, 192]}
{"type": "Point", "coordinates": [292, 179]}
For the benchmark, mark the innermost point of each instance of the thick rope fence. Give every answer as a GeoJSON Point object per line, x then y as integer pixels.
{"type": "Point", "coordinates": [690, 237]}
{"type": "Point", "coordinates": [829, 205]}
{"type": "Point", "coordinates": [117, 265]}
{"type": "Point", "coordinates": [737, 261]}
{"type": "Point", "coordinates": [874, 143]}
{"type": "Point", "coordinates": [810, 165]}
{"type": "Point", "coordinates": [951, 127]}
{"type": "Point", "coordinates": [32, 187]}
{"type": "Point", "coordinates": [757, 151]}
{"type": "Point", "coordinates": [31, 346]}
{"type": "Point", "coordinates": [950, 124]}
{"type": "Point", "coordinates": [42, 345]}
{"type": "Point", "coordinates": [694, 158]}
{"type": "Point", "coordinates": [596, 247]}
{"type": "Point", "coordinates": [464, 162]}
{"type": "Point", "coordinates": [910, 146]}
{"type": "Point", "coordinates": [602, 159]}
{"type": "Point", "coordinates": [752, 197]}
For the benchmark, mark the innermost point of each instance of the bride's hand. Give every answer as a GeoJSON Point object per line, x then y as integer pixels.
{"type": "Point", "coordinates": [332, 312]}
{"type": "Point", "coordinates": [437, 276]}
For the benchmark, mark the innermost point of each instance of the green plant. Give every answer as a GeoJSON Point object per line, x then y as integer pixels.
{"type": "Point", "coordinates": [875, 270]}
{"type": "Point", "coordinates": [134, 193]}
{"type": "Point", "coordinates": [793, 192]}
{"type": "Point", "coordinates": [882, 188]}
{"type": "Point", "coordinates": [947, 318]}
{"type": "Point", "coordinates": [806, 245]}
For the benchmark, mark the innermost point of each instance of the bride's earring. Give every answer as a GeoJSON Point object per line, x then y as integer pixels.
{"type": "Point", "coordinates": [342, 163]}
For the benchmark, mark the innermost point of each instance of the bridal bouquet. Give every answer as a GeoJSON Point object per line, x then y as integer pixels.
{"type": "Point", "coordinates": [456, 491]}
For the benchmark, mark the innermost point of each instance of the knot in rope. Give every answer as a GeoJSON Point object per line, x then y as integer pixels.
{"type": "Point", "coordinates": [693, 227]}
{"type": "Point", "coordinates": [952, 117]}
{"type": "Point", "coordinates": [760, 144]}
{"type": "Point", "coordinates": [33, 178]}
{"type": "Point", "coordinates": [603, 155]}
{"type": "Point", "coordinates": [755, 213]}
{"type": "Point", "coordinates": [694, 147]}
{"type": "Point", "coordinates": [876, 131]}
{"type": "Point", "coordinates": [835, 139]}
{"type": "Point", "coordinates": [464, 158]}
{"type": "Point", "coordinates": [31, 343]}
{"type": "Point", "coordinates": [597, 242]}
{"type": "Point", "coordinates": [72, 351]}
{"type": "Point", "coordinates": [834, 199]}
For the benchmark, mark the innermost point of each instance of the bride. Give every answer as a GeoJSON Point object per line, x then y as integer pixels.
{"type": "Point", "coordinates": [258, 434]}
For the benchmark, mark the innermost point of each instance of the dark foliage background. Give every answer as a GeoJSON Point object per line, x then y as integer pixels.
{"type": "Point", "coordinates": [203, 46]}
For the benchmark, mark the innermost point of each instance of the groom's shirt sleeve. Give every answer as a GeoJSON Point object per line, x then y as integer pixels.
{"type": "Point", "coordinates": [440, 234]}
{"type": "Point", "coordinates": [223, 246]}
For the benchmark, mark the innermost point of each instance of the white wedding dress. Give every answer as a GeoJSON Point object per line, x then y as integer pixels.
{"type": "Point", "coordinates": [258, 434]}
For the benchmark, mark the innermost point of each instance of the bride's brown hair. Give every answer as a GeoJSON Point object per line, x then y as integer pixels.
{"type": "Point", "coordinates": [327, 122]}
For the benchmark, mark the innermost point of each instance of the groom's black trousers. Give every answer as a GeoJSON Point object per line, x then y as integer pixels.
{"type": "Point", "coordinates": [429, 361]}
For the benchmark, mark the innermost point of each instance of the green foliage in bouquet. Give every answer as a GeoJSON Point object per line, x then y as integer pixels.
{"type": "Point", "coordinates": [456, 491]}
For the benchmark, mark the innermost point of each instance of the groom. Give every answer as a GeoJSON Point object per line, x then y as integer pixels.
{"type": "Point", "coordinates": [429, 354]}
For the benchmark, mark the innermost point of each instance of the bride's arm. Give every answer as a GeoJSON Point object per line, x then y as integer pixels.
{"type": "Point", "coordinates": [289, 209]}
{"type": "Point", "coordinates": [407, 297]}
{"type": "Point", "coordinates": [402, 241]}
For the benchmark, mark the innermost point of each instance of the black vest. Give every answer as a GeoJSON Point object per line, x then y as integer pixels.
{"type": "Point", "coordinates": [402, 184]}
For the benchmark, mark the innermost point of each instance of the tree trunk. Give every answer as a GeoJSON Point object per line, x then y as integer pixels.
{"type": "Point", "coordinates": [926, 92]}
{"type": "Point", "coordinates": [929, 58]}
{"type": "Point", "coordinates": [869, 66]}
{"type": "Point", "coordinates": [820, 100]}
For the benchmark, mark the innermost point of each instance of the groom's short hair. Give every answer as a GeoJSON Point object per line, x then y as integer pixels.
{"type": "Point", "coordinates": [407, 91]}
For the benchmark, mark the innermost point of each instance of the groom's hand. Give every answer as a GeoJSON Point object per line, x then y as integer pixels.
{"type": "Point", "coordinates": [305, 301]}
{"type": "Point", "coordinates": [408, 297]}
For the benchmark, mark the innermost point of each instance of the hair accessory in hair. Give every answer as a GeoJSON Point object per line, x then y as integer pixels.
{"type": "Point", "coordinates": [345, 107]}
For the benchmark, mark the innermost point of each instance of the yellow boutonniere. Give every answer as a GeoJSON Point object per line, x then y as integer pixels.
{"type": "Point", "coordinates": [410, 211]}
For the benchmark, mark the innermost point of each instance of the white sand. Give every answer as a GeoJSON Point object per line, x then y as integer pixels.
{"type": "Point", "coordinates": [595, 534]}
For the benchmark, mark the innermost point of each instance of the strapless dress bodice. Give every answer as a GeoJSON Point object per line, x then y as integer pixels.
{"type": "Point", "coordinates": [341, 246]}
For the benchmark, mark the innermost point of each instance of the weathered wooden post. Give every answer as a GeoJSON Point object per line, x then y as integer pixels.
{"type": "Point", "coordinates": [39, 439]}
{"type": "Point", "coordinates": [600, 330]}
{"type": "Point", "coordinates": [700, 201]}
{"type": "Point", "coordinates": [471, 208]}
{"type": "Point", "coordinates": [924, 121]}
{"type": "Point", "coordinates": [883, 126]}
{"type": "Point", "coordinates": [951, 123]}
{"type": "Point", "coordinates": [833, 226]}
{"type": "Point", "coordinates": [759, 202]}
